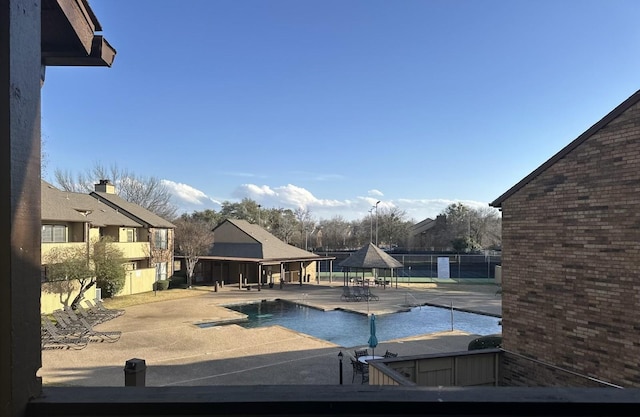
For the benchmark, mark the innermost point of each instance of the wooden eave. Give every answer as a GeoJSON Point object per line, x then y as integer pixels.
{"type": "Point", "coordinates": [68, 35]}
{"type": "Point", "coordinates": [624, 106]}
{"type": "Point", "coordinates": [258, 260]}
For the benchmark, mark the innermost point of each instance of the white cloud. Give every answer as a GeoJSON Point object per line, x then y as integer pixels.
{"type": "Point", "coordinates": [291, 196]}
{"type": "Point", "coordinates": [188, 198]}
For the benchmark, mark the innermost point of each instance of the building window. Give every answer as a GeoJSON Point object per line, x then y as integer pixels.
{"type": "Point", "coordinates": [54, 233]}
{"type": "Point", "coordinates": [132, 236]}
{"type": "Point", "coordinates": [160, 239]}
{"type": "Point", "coordinates": [161, 271]}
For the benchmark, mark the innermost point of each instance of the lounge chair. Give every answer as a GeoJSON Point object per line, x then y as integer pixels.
{"type": "Point", "coordinates": [52, 338]}
{"type": "Point", "coordinates": [78, 326]}
{"type": "Point", "coordinates": [358, 295]}
{"type": "Point", "coordinates": [98, 303]}
{"type": "Point", "coordinates": [93, 317]}
{"type": "Point", "coordinates": [96, 307]}
{"type": "Point", "coordinates": [346, 294]}
{"type": "Point", "coordinates": [369, 296]}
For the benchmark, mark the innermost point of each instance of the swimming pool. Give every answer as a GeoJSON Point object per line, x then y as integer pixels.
{"type": "Point", "coordinates": [350, 329]}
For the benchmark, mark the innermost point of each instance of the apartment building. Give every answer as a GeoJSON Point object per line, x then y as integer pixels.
{"type": "Point", "coordinates": [75, 220]}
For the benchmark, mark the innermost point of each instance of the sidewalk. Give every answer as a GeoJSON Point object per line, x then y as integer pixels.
{"type": "Point", "coordinates": [177, 352]}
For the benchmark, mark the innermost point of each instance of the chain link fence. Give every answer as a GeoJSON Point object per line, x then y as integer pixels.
{"type": "Point", "coordinates": [424, 268]}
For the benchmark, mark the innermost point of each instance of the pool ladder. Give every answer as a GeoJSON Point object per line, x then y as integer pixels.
{"type": "Point", "coordinates": [303, 297]}
{"type": "Point", "coordinates": [410, 300]}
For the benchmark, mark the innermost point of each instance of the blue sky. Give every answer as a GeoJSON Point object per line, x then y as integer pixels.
{"type": "Point", "coordinates": [333, 105]}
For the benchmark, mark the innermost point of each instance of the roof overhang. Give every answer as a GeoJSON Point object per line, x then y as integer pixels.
{"type": "Point", "coordinates": [68, 35]}
{"type": "Point", "coordinates": [621, 108]}
{"type": "Point", "coordinates": [260, 261]}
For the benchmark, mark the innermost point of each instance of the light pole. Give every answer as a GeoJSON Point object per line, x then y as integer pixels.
{"type": "Point", "coordinates": [377, 222]}
{"type": "Point", "coordinates": [371, 224]}
{"type": "Point", "coordinates": [259, 222]}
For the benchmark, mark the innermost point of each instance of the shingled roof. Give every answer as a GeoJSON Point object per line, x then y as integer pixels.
{"type": "Point", "coordinates": [132, 210]}
{"type": "Point", "coordinates": [370, 256]}
{"type": "Point", "coordinates": [64, 206]}
{"type": "Point", "coordinates": [266, 247]}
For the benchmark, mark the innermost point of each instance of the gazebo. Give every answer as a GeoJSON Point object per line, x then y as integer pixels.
{"type": "Point", "coordinates": [369, 257]}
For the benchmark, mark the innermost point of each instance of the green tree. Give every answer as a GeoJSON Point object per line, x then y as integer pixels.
{"type": "Point", "coordinates": [98, 264]}
{"type": "Point", "coordinates": [65, 267]}
{"type": "Point", "coordinates": [107, 261]}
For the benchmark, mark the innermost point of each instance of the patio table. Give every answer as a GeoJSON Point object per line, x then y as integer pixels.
{"type": "Point", "coordinates": [365, 359]}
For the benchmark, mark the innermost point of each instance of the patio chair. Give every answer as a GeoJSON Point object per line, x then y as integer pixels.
{"type": "Point", "coordinates": [388, 354]}
{"type": "Point", "coordinates": [361, 352]}
{"type": "Point", "coordinates": [370, 296]}
{"type": "Point", "coordinates": [52, 338]}
{"type": "Point", "coordinates": [359, 368]}
{"type": "Point", "coordinates": [346, 294]}
{"type": "Point", "coordinates": [358, 295]}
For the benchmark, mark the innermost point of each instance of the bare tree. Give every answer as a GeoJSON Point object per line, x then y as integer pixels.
{"type": "Point", "coordinates": [306, 223]}
{"type": "Point", "coordinates": [147, 192]}
{"type": "Point", "coordinates": [193, 239]}
{"type": "Point", "coordinates": [335, 233]}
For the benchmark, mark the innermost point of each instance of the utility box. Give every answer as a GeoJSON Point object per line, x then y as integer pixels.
{"type": "Point", "coordinates": [498, 274]}
{"type": "Point", "coordinates": [135, 371]}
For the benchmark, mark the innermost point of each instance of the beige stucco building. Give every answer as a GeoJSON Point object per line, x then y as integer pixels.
{"type": "Point", "coordinates": [76, 220]}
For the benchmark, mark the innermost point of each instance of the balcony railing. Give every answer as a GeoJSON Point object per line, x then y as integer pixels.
{"type": "Point", "coordinates": [134, 250]}
{"type": "Point", "coordinates": [459, 369]}
{"type": "Point", "coordinates": [130, 250]}
{"type": "Point", "coordinates": [47, 247]}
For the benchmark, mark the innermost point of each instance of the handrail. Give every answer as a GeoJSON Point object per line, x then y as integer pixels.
{"type": "Point", "coordinates": [415, 304]}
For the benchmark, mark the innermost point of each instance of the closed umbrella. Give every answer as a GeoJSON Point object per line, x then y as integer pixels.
{"type": "Point", "coordinates": [373, 340]}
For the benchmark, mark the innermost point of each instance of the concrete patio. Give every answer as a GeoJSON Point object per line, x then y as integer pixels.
{"type": "Point", "coordinates": [179, 353]}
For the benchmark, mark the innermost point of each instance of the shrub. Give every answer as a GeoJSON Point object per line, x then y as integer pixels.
{"type": "Point", "coordinates": [178, 281]}
{"type": "Point", "coordinates": [486, 342]}
{"type": "Point", "coordinates": [161, 285]}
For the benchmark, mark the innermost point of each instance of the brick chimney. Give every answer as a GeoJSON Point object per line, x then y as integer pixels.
{"type": "Point", "coordinates": [105, 186]}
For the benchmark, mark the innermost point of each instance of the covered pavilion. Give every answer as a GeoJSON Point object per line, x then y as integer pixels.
{"type": "Point", "coordinates": [370, 257]}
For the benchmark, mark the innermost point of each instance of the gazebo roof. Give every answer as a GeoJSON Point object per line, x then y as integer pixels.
{"type": "Point", "coordinates": [370, 256]}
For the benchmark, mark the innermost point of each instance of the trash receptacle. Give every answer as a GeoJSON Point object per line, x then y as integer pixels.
{"type": "Point", "coordinates": [135, 371]}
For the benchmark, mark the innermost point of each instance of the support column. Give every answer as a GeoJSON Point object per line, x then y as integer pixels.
{"type": "Point", "coordinates": [20, 81]}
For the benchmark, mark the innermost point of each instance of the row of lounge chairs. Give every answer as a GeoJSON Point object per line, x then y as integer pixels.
{"type": "Point", "coordinates": [73, 329]}
{"type": "Point", "coordinates": [357, 293]}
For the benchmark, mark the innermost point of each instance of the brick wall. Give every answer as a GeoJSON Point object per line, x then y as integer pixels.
{"type": "Point", "coordinates": [571, 261]}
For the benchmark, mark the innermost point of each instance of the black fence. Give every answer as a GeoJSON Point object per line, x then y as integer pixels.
{"type": "Point", "coordinates": [461, 266]}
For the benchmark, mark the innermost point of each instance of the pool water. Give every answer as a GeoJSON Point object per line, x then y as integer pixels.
{"type": "Point", "coordinates": [350, 329]}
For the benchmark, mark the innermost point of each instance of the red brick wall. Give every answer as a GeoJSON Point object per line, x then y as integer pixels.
{"type": "Point", "coordinates": [571, 261]}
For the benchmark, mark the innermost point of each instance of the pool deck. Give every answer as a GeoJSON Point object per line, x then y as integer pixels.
{"type": "Point", "coordinates": [177, 352]}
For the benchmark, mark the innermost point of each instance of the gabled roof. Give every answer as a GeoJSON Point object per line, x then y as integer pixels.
{"type": "Point", "coordinates": [132, 210]}
{"type": "Point", "coordinates": [64, 206]}
{"type": "Point", "coordinates": [266, 246]}
{"type": "Point", "coordinates": [624, 106]}
{"type": "Point", "coordinates": [370, 256]}
{"type": "Point", "coordinates": [422, 226]}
